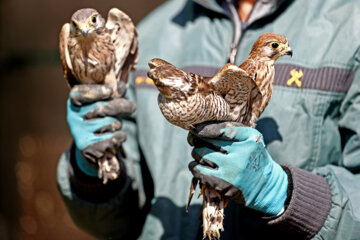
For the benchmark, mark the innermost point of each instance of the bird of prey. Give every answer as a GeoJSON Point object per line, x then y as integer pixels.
{"type": "Point", "coordinates": [95, 51]}
{"type": "Point", "coordinates": [235, 94]}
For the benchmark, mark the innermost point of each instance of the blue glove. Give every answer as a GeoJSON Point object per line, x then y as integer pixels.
{"type": "Point", "coordinates": [238, 165]}
{"type": "Point", "coordinates": [93, 120]}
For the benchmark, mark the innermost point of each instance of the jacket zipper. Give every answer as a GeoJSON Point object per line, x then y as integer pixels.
{"type": "Point", "coordinates": [237, 31]}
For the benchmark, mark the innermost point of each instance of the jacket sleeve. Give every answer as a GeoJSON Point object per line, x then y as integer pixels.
{"type": "Point", "coordinates": [113, 211]}
{"type": "Point", "coordinates": [343, 221]}
{"type": "Point", "coordinates": [325, 204]}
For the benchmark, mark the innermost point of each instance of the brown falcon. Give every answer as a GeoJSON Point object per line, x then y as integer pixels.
{"type": "Point", "coordinates": [96, 51]}
{"type": "Point", "coordinates": [235, 94]}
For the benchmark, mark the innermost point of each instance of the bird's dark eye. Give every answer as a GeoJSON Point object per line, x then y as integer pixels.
{"type": "Point", "coordinates": [274, 45]}
{"type": "Point", "coordinates": [93, 19]}
{"type": "Point", "coordinates": [74, 24]}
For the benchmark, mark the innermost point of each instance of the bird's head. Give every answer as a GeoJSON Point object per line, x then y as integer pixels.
{"type": "Point", "coordinates": [270, 46]}
{"type": "Point", "coordinates": [85, 22]}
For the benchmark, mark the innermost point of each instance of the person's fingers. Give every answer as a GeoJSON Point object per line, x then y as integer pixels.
{"type": "Point", "coordinates": [210, 177]}
{"type": "Point", "coordinates": [83, 94]}
{"type": "Point", "coordinates": [198, 155]}
{"type": "Point", "coordinates": [198, 142]}
{"type": "Point", "coordinates": [119, 138]}
{"type": "Point", "coordinates": [114, 126]}
{"type": "Point", "coordinates": [114, 107]}
{"type": "Point", "coordinates": [121, 88]}
{"type": "Point", "coordinates": [213, 129]}
{"type": "Point", "coordinates": [86, 133]}
{"type": "Point", "coordinates": [190, 138]}
{"type": "Point", "coordinates": [242, 134]}
{"type": "Point", "coordinates": [198, 170]}
{"type": "Point", "coordinates": [193, 164]}
{"type": "Point", "coordinates": [97, 150]}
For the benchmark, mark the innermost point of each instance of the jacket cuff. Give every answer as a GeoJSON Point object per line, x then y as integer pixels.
{"type": "Point", "coordinates": [92, 189]}
{"type": "Point", "coordinates": [307, 206]}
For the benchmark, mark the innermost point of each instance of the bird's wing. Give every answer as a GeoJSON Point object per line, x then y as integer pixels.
{"type": "Point", "coordinates": [250, 67]}
{"type": "Point", "coordinates": [156, 62]}
{"type": "Point", "coordinates": [65, 56]}
{"type": "Point", "coordinates": [229, 77]}
{"type": "Point", "coordinates": [123, 35]}
{"type": "Point", "coordinates": [164, 73]}
{"type": "Point", "coordinates": [160, 69]}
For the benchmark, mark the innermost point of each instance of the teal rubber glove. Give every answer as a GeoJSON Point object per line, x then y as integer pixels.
{"type": "Point", "coordinates": [236, 163]}
{"type": "Point", "coordinates": [94, 121]}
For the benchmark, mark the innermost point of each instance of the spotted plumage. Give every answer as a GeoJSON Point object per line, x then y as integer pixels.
{"type": "Point", "coordinates": [236, 93]}
{"type": "Point", "coordinates": [95, 51]}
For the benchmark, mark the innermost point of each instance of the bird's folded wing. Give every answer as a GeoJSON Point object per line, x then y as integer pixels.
{"type": "Point", "coordinates": [124, 37]}
{"type": "Point", "coordinates": [249, 66]}
{"type": "Point", "coordinates": [157, 62]}
{"type": "Point", "coordinates": [65, 56]}
{"type": "Point", "coordinates": [229, 77]}
{"type": "Point", "coordinates": [160, 70]}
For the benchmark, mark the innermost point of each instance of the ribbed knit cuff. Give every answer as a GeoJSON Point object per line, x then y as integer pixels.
{"type": "Point", "coordinates": [91, 188]}
{"type": "Point", "coordinates": [308, 206]}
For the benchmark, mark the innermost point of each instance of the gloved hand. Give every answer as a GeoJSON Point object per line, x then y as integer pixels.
{"type": "Point", "coordinates": [236, 163]}
{"type": "Point", "coordinates": [93, 118]}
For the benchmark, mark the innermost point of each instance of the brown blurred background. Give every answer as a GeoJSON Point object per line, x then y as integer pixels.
{"type": "Point", "coordinates": [33, 129]}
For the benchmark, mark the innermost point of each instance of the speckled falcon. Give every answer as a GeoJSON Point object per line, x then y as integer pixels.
{"type": "Point", "coordinates": [236, 93]}
{"type": "Point", "coordinates": [97, 52]}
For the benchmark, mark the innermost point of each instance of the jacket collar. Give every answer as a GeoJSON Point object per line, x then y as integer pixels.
{"type": "Point", "coordinates": [262, 8]}
{"type": "Point", "coordinates": [217, 6]}
{"type": "Point", "coordinates": [212, 5]}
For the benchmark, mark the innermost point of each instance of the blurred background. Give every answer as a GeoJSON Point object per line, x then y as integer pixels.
{"type": "Point", "coordinates": [33, 129]}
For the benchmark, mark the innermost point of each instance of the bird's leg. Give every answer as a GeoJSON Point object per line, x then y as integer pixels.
{"type": "Point", "coordinates": [109, 167]}
{"type": "Point", "coordinates": [202, 190]}
{"type": "Point", "coordinates": [193, 185]}
{"type": "Point", "coordinates": [110, 80]}
{"type": "Point", "coordinates": [213, 213]}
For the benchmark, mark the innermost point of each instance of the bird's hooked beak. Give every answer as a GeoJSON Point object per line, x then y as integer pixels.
{"type": "Point", "coordinates": [288, 51]}
{"type": "Point", "coordinates": [84, 30]}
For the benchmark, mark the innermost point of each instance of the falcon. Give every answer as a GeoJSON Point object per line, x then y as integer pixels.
{"type": "Point", "coordinates": [235, 94]}
{"type": "Point", "coordinates": [95, 51]}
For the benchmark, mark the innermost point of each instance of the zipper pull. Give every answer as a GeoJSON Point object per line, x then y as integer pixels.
{"type": "Point", "coordinates": [232, 53]}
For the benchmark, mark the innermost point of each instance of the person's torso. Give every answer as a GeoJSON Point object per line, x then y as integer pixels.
{"type": "Point", "coordinates": [300, 123]}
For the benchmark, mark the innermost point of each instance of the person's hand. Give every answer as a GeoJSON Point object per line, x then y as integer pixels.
{"type": "Point", "coordinates": [235, 162]}
{"type": "Point", "coordinates": [94, 121]}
